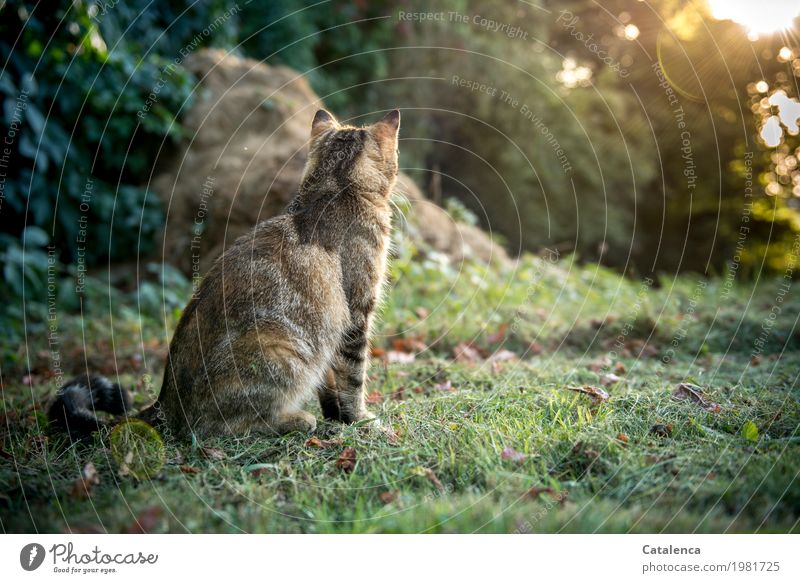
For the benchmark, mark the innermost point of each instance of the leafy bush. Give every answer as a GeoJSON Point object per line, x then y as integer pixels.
{"type": "Point", "coordinates": [87, 105]}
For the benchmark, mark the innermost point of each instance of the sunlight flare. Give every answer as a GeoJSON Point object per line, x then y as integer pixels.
{"type": "Point", "coordinates": [762, 17]}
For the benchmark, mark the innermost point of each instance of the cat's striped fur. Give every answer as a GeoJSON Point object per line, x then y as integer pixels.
{"type": "Point", "coordinates": [287, 310]}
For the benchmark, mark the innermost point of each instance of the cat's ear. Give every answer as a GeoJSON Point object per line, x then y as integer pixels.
{"type": "Point", "coordinates": [323, 121]}
{"type": "Point", "coordinates": [387, 128]}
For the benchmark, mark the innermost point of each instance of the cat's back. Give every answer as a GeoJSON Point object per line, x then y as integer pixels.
{"type": "Point", "coordinates": [271, 273]}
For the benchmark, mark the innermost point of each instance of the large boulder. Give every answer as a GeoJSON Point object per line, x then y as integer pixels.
{"type": "Point", "coordinates": [243, 160]}
{"type": "Point", "coordinates": [430, 226]}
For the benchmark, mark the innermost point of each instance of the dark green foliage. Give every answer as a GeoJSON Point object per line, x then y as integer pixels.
{"type": "Point", "coordinates": [86, 109]}
{"type": "Point", "coordinates": [338, 44]}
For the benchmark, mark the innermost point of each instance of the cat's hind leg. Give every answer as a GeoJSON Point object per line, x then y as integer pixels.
{"type": "Point", "coordinates": [289, 421]}
{"type": "Point", "coordinates": [278, 378]}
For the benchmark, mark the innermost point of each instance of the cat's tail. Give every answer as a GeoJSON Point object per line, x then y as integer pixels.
{"type": "Point", "coordinates": [73, 410]}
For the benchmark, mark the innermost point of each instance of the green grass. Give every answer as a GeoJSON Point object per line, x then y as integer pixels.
{"type": "Point", "coordinates": [576, 465]}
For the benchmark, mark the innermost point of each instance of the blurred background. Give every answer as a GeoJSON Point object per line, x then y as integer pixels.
{"type": "Point", "coordinates": [651, 137]}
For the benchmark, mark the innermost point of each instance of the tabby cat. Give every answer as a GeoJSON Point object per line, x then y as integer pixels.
{"type": "Point", "coordinates": [284, 312]}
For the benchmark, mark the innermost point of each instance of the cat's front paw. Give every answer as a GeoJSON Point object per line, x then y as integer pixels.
{"type": "Point", "coordinates": [363, 417]}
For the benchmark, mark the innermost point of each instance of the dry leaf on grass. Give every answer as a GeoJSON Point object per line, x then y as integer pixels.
{"type": "Point", "coordinates": [397, 357]}
{"type": "Point", "coordinates": [433, 479]}
{"type": "Point", "coordinates": [595, 393]}
{"type": "Point", "coordinates": [499, 335]}
{"type": "Point", "coordinates": [146, 521]}
{"type": "Point", "coordinates": [465, 352]}
{"type": "Point", "coordinates": [641, 348]}
{"type": "Point", "coordinates": [446, 387]}
{"type": "Point", "coordinates": [559, 497]}
{"type": "Point", "coordinates": [409, 344]}
{"type": "Point", "coordinates": [82, 487]}
{"type": "Point", "coordinates": [600, 363]}
{"type": "Point", "coordinates": [375, 397]}
{"type": "Point", "coordinates": [213, 453]}
{"type": "Point", "coordinates": [609, 379]}
{"type": "Point", "coordinates": [390, 434]}
{"type": "Point", "coordinates": [502, 355]}
{"type": "Point", "coordinates": [388, 497]}
{"type": "Point", "coordinates": [693, 393]}
{"type": "Point", "coordinates": [509, 453]}
{"type": "Point", "coordinates": [322, 443]}
{"type": "Point", "coordinates": [429, 475]}
{"type": "Point", "coordinates": [347, 460]}
{"type": "Point", "coordinates": [190, 470]}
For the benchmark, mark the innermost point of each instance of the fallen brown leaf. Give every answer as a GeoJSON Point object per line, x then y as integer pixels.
{"type": "Point", "coordinates": [433, 479]}
{"type": "Point", "coordinates": [347, 460]}
{"type": "Point", "coordinates": [622, 437]}
{"type": "Point", "coordinates": [391, 435]}
{"type": "Point", "coordinates": [502, 355]}
{"type": "Point", "coordinates": [609, 379]}
{"type": "Point", "coordinates": [641, 348]}
{"type": "Point", "coordinates": [559, 497]}
{"type": "Point", "coordinates": [322, 443]}
{"type": "Point", "coordinates": [83, 486]}
{"type": "Point", "coordinates": [213, 453]}
{"type": "Point", "coordinates": [509, 453]}
{"type": "Point", "coordinates": [146, 521]}
{"type": "Point", "coordinates": [190, 470]}
{"type": "Point", "coordinates": [445, 386]}
{"type": "Point", "coordinates": [466, 353]}
{"type": "Point", "coordinates": [693, 393]}
{"type": "Point", "coordinates": [535, 348]}
{"type": "Point", "coordinates": [535, 492]}
{"type": "Point", "coordinates": [397, 357]}
{"type": "Point", "coordinates": [375, 397]}
{"type": "Point", "coordinates": [388, 497]}
{"type": "Point", "coordinates": [498, 336]}
{"type": "Point", "coordinates": [594, 392]}
{"type": "Point", "coordinates": [619, 368]}
{"type": "Point", "coordinates": [409, 344]}
{"type": "Point", "coordinates": [600, 363]}
{"type": "Point", "coordinates": [653, 459]}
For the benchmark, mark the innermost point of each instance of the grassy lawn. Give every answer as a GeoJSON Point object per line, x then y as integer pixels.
{"type": "Point", "coordinates": [472, 371]}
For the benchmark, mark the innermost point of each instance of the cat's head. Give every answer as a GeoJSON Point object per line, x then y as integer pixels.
{"type": "Point", "coordinates": [363, 159]}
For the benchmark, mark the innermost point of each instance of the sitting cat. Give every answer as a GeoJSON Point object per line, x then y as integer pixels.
{"type": "Point", "coordinates": [284, 312]}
